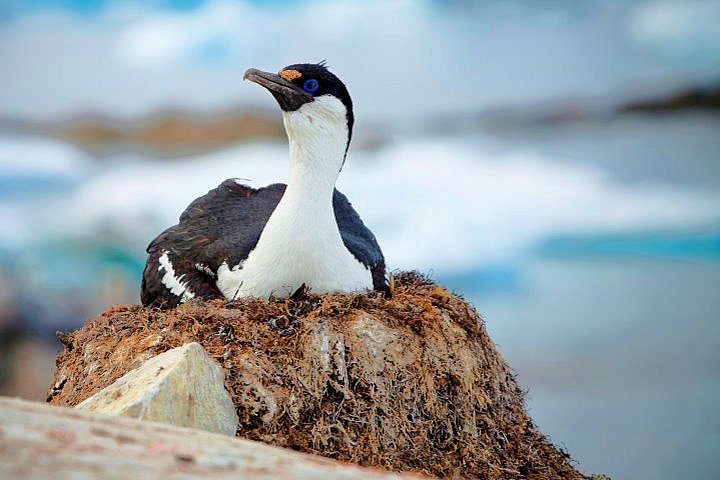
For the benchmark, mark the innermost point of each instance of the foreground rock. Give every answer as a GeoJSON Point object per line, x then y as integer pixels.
{"type": "Point", "coordinates": [182, 387]}
{"type": "Point", "coordinates": [412, 383]}
{"type": "Point", "coordinates": [39, 442]}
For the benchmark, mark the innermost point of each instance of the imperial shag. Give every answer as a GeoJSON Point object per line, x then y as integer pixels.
{"type": "Point", "coordinates": [241, 241]}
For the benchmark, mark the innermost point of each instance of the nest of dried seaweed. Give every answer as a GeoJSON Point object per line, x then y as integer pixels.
{"type": "Point", "coordinates": [411, 383]}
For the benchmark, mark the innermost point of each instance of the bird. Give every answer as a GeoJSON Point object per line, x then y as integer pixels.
{"type": "Point", "coordinates": [241, 240]}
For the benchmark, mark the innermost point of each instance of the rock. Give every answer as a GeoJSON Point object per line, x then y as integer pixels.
{"type": "Point", "coordinates": [39, 441]}
{"type": "Point", "coordinates": [410, 383]}
{"type": "Point", "coordinates": [182, 387]}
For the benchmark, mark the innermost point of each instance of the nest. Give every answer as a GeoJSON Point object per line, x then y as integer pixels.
{"type": "Point", "coordinates": [410, 383]}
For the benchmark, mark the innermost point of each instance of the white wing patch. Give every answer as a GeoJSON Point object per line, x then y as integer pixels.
{"type": "Point", "coordinates": [205, 269]}
{"type": "Point", "coordinates": [173, 283]}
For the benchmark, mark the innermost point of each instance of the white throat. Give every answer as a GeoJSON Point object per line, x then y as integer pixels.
{"type": "Point", "coordinates": [318, 135]}
{"type": "Point", "coordinates": [301, 242]}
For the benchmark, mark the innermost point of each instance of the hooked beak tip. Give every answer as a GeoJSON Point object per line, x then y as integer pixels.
{"type": "Point", "coordinates": [249, 73]}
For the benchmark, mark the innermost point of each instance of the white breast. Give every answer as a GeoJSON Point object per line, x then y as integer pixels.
{"type": "Point", "coordinates": [295, 248]}
{"type": "Point", "coordinates": [280, 265]}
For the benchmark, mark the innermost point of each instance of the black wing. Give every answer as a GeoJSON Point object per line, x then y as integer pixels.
{"type": "Point", "coordinates": [224, 226]}
{"type": "Point", "coordinates": [360, 241]}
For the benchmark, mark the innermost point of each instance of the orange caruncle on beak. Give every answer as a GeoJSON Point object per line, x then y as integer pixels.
{"type": "Point", "coordinates": [290, 75]}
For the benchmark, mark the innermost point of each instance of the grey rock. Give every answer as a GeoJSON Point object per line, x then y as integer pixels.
{"type": "Point", "coordinates": [39, 441]}
{"type": "Point", "coordinates": [182, 387]}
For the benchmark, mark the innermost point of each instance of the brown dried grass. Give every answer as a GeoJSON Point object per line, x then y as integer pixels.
{"type": "Point", "coordinates": [411, 383]}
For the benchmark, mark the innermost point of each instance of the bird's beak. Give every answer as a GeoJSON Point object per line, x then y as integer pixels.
{"type": "Point", "coordinates": [289, 96]}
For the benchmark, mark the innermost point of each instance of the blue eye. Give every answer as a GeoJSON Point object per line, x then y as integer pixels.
{"type": "Point", "coordinates": [310, 85]}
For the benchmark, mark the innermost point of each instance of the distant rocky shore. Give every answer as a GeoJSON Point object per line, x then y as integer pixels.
{"type": "Point", "coordinates": [178, 133]}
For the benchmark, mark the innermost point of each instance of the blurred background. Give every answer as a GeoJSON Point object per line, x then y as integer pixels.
{"type": "Point", "coordinates": [556, 162]}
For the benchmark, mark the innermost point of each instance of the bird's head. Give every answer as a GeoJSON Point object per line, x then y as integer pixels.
{"type": "Point", "coordinates": [315, 103]}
